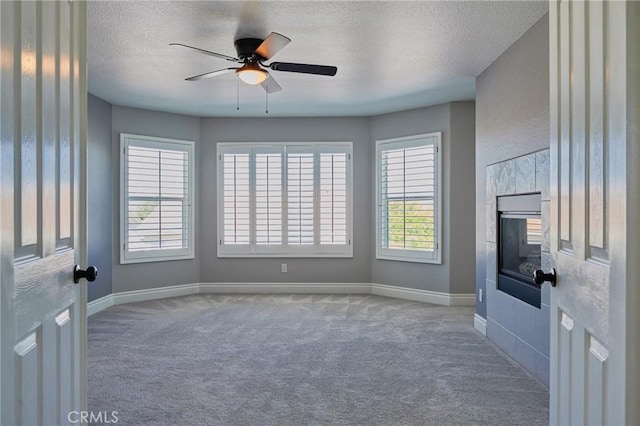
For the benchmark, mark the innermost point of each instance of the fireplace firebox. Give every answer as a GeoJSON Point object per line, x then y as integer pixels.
{"type": "Point", "coordinates": [520, 237]}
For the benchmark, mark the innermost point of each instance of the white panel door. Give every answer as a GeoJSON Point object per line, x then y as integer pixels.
{"type": "Point", "coordinates": [42, 129]}
{"type": "Point", "coordinates": [594, 212]}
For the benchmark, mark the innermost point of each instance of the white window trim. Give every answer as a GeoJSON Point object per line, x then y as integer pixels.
{"type": "Point", "coordinates": [317, 250]}
{"type": "Point", "coordinates": [411, 255]}
{"type": "Point", "coordinates": [154, 255]}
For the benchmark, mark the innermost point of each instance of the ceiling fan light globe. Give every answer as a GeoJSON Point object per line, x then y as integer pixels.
{"type": "Point", "coordinates": [252, 75]}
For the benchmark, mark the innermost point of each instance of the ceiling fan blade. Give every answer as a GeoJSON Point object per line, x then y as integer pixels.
{"type": "Point", "coordinates": [211, 74]}
{"type": "Point", "coordinates": [304, 68]}
{"type": "Point", "coordinates": [272, 45]}
{"type": "Point", "coordinates": [206, 52]}
{"type": "Point", "coordinates": [270, 85]}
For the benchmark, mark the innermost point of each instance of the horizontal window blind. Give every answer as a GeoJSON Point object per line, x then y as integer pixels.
{"type": "Point", "coordinates": [300, 192]}
{"type": "Point", "coordinates": [407, 198]}
{"type": "Point", "coordinates": [333, 198]}
{"type": "Point", "coordinates": [269, 198]}
{"type": "Point", "coordinates": [285, 199]}
{"type": "Point", "coordinates": [236, 198]}
{"type": "Point", "coordinates": [157, 199]}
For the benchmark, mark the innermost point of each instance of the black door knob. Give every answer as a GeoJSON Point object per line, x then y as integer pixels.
{"type": "Point", "coordinates": [90, 273]}
{"type": "Point", "coordinates": [539, 277]}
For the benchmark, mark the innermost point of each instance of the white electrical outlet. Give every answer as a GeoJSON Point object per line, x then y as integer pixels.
{"type": "Point", "coordinates": [480, 295]}
{"type": "Point", "coordinates": [284, 267]}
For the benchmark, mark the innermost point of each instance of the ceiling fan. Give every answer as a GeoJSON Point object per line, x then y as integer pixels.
{"type": "Point", "coordinates": [252, 52]}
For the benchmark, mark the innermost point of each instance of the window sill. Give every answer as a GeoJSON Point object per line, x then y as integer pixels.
{"type": "Point", "coordinates": [398, 258]}
{"type": "Point", "coordinates": [151, 259]}
{"type": "Point", "coordinates": [285, 255]}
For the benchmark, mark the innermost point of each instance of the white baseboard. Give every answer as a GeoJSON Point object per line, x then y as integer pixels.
{"type": "Point", "coordinates": [304, 288]}
{"type": "Point", "coordinates": [426, 296]}
{"type": "Point", "coordinates": [480, 324]}
{"type": "Point", "coordinates": [155, 293]}
{"type": "Point", "coordinates": [98, 305]}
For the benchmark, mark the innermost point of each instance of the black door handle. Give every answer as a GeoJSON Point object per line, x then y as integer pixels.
{"type": "Point", "coordinates": [539, 277]}
{"type": "Point", "coordinates": [90, 273]}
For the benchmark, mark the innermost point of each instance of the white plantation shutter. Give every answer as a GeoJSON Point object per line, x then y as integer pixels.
{"type": "Point", "coordinates": [333, 197]}
{"type": "Point", "coordinates": [408, 198]}
{"type": "Point", "coordinates": [290, 199]}
{"type": "Point", "coordinates": [236, 208]}
{"type": "Point", "coordinates": [156, 199]}
{"type": "Point", "coordinates": [268, 197]}
{"type": "Point", "coordinates": [300, 196]}
{"type": "Point", "coordinates": [408, 194]}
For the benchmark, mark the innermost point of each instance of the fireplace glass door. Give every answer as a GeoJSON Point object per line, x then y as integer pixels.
{"type": "Point", "coordinates": [520, 238]}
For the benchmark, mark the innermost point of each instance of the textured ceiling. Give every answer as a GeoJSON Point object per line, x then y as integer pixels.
{"type": "Point", "coordinates": [390, 55]}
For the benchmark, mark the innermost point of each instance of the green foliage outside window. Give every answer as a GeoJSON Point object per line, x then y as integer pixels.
{"type": "Point", "coordinates": [410, 225]}
{"type": "Point", "coordinates": [144, 209]}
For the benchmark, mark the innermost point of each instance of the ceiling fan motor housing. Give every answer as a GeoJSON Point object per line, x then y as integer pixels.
{"type": "Point", "coordinates": [246, 48]}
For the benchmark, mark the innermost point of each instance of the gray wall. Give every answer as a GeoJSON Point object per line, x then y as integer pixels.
{"type": "Point", "coordinates": [456, 121]}
{"type": "Point", "coordinates": [512, 118]}
{"type": "Point", "coordinates": [100, 196]}
{"type": "Point", "coordinates": [407, 123]}
{"type": "Point", "coordinates": [461, 174]}
{"type": "Point", "coordinates": [140, 276]}
{"type": "Point", "coordinates": [347, 270]}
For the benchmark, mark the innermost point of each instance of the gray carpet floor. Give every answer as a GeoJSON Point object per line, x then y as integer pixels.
{"type": "Point", "coordinates": [303, 360]}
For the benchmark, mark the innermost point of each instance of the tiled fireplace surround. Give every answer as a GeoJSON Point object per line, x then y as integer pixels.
{"type": "Point", "coordinates": [519, 329]}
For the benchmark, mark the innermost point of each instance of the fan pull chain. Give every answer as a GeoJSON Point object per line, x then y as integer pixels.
{"type": "Point", "coordinates": [266, 99]}
{"type": "Point", "coordinates": [237, 93]}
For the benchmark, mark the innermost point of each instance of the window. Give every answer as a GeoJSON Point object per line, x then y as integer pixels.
{"type": "Point", "coordinates": [408, 192]}
{"type": "Point", "coordinates": [156, 187]}
{"type": "Point", "coordinates": [284, 199]}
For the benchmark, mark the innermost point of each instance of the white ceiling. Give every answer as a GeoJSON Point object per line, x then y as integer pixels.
{"type": "Point", "coordinates": [390, 56]}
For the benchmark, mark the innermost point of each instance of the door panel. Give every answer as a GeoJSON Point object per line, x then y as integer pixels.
{"type": "Point", "coordinates": [28, 353]}
{"type": "Point", "coordinates": [27, 184]}
{"type": "Point", "coordinates": [588, 44]}
{"type": "Point", "coordinates": [596, 148]}
{"type": "Point", "coordinates": [42, 312]}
